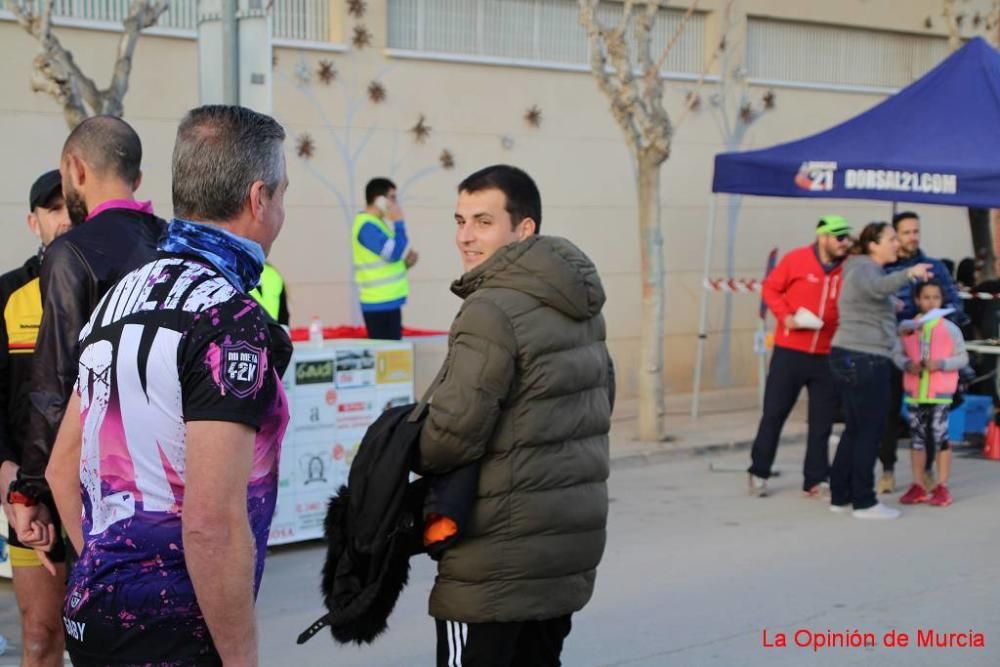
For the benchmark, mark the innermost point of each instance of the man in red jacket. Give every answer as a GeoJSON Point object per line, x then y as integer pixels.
{"type": "Point", "coordinates": [802, 293]}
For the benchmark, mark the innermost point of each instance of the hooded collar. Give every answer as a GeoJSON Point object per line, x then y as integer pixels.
{"type": "Point", "coordinates": [549, 268]}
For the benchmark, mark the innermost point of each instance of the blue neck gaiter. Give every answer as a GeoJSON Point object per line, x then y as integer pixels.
{"type": "Point", "coordinates": [240, 260]}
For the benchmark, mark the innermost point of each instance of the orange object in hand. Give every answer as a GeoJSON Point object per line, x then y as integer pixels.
{"type": "Point", "coordinates": [438, 529]}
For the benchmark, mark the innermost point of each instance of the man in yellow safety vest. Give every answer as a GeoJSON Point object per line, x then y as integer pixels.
{"type": "Point", "coordinates": [271, 294]}
{"type": "Point", "coordinates": [381, 260]}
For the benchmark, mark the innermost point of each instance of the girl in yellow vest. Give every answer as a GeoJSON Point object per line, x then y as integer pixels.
{"type": "Point", "coordinates": [931, 355]}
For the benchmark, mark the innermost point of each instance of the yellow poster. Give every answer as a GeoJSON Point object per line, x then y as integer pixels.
{"type": "Point", "coordinates": [393, 366]}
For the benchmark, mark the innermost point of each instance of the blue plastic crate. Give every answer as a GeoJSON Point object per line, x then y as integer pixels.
{"type": "Point", "coordinates": [978, 412]}
{"type": "Point", "coordinates": [972, 416]}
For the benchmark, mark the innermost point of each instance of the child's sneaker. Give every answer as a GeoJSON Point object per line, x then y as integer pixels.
{"type": "Point", "coordinates": [915, 494]}
{"type": "Point", "coordinates": [941, 497]}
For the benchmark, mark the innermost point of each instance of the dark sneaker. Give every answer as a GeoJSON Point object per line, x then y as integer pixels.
{"type": "Point", "coordinates": [941, 496]}
{"type": "Point", "coordinates": [916, 494]}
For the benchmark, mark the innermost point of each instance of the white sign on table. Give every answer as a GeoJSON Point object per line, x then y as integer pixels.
{"type": "Point", "coordinates": [334, 392]}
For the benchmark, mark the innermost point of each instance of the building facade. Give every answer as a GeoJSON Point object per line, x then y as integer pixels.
{"type": "Point", "coordinates": [426, 91]}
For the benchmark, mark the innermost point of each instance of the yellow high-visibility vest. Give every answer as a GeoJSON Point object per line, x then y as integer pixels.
{"type": "Point", "coordinates": [268, 293]}
{"type": "Point", "coordinates": [23, 316]}
{"type": "Point", "coordinates": [378, 280]}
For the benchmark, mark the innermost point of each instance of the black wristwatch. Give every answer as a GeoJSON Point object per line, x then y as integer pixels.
{"type": "Point", "coordinates": [27, 491]}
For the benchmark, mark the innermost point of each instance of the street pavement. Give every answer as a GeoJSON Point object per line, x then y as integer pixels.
{"type": "Point", "coordinates": [695, 573]}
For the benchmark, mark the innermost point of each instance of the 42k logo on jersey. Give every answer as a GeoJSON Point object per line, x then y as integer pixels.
{"type": "Point", "coordinates": [816, 176]}
{"type": "Point", "coordinates": [243, 375]}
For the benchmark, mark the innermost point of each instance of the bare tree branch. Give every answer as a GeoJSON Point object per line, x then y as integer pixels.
{"type": "Point", "coordinates": [652, 118]}
{"type": "Point", "coordinates": [954, 36]}
{"type": "Point", "coordinates": [56, 72]}
{"type": "Point", "coordinates": [677, 35]}
{"type": "Point", "coordinates": [720, 48]}
{"type": "Point", "coordinates": [995, 15]}
{"type": "Point", "coordinates": [636, 104]}
{"type": "Point", "coordinates": [627, 7]}
{"type": "Point", "coordinates": [45, 25]}
{"type": "Point", "coordinates": [141, 15]}
{"type": "Point", "coordinates": [24, 17]}
{"type": "Point", "coordinates": [51, 77]}
{"type": "Point", "coordinates": [643, 38]}
{"type": "Point", "coordinates": [644, 57]}
{"type": "Point", "coordinates": [599, 36]}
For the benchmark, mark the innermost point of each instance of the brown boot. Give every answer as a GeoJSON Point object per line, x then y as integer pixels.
{"type": "Point", "coordinates": [886, 483]}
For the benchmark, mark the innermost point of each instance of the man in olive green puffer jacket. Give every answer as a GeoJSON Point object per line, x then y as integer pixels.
{"type": "Point", "coordinates": [528, 396]}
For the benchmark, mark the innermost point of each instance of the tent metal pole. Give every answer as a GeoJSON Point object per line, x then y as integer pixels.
{"type": "Point", "coordinates": [895, 208]}
{"type": "Point", "coordinates": [703, 316]}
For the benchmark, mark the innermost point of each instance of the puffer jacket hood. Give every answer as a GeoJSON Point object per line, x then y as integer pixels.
{"type": "Point", "coordinates": [548, 268]}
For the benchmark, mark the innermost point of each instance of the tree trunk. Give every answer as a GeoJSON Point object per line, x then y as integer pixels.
{"type": "Point", "coordinates": [652, 411]}
{"type": "Point", "coordinates": [982, 241]}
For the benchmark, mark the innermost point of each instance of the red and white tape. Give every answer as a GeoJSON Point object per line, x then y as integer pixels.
{"type": "Point", "coordinates": [751, 285]}
{"type": "Point", "coordinates": [735, 285]}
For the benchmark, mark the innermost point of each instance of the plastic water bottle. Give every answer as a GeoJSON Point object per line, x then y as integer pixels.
{"type": "Point", "coordinates": [3, 644]}
{"type": "Point", "coordinates": [316, 332]}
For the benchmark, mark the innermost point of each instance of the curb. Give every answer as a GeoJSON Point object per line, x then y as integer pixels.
{"type": "Point", "coordinates": [660, 456]}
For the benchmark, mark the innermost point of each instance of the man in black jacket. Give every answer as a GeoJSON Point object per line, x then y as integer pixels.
{"type": "Point", "coordinates": [113, 234]}
{"type": "Point", "coordinates": [39, 595]}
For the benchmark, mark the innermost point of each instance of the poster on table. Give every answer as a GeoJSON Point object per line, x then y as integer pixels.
{"type": "Point", "coordinates": [4, 551]}
{"type": "Point", "coordinates": [334, 392]}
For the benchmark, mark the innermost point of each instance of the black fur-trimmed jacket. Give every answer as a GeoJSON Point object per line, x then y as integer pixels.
{"type": "Point", "coordinates": [376, 523]}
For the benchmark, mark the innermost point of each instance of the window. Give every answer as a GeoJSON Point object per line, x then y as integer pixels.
{"type": "Point", "coordinates": [785, 51]}
{"type": "Point", "coordinates": [307, 20]}
{"type": "Point", "coordinates": [543, 32]}
{"type": "Point", "coordinates": [304, 20]}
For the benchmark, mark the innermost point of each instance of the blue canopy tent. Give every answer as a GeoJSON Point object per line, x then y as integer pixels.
{"type": "Point", "coordinates": [937, 141]}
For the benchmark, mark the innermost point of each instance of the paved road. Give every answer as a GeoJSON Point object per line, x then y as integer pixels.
{"type": "Point", "coordinates": [696, 571]}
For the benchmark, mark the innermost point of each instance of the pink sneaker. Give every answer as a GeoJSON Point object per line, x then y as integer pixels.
{"type": "Point", "coordinates": [940, 496]}
{"type": "Point", "coordinates": [915, 494]}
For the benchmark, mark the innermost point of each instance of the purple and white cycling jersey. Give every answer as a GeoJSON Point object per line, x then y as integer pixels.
{"type": "Point", "coordinates": [172, 342]}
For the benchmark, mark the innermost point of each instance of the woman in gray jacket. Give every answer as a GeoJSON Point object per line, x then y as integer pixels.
{"type": "Point", "coordinates": [861, 359]}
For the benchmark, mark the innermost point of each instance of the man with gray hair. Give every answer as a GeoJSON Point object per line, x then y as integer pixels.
{"type": "Point", "coordinates": [172, 436]}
